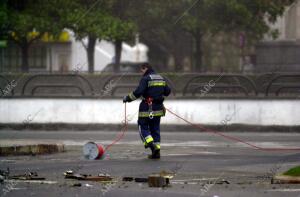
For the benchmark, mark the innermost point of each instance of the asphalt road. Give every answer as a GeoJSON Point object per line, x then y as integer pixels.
{"type": "Point", "coordinates": [196, 158]}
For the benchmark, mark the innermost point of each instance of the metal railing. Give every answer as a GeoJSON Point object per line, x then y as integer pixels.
{"type": "Point", "coordinates": [58, 84]}
{"type": "Point", "coordinates": [279, 85]}
{"type": "Point", "coordinates": [116, 82]}
{"type": "Point", "coordinates": [36, 87]}
{"type": "Point", "coordinates": [276, 87]}
{"type": "Point", "coordinates": [241, 83]}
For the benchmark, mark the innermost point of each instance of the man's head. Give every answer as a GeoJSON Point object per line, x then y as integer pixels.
{"type": "Point", "coordinates": [145, 67]}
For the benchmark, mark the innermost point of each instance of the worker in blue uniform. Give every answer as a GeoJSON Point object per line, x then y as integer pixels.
{"type": "Point", "coordinates": [152, 89]}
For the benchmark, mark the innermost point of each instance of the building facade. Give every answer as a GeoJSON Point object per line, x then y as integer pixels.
{"type": "Point", "coordinates": [67, 54]}
{"type": "Point", "coordinates": [281, 54]}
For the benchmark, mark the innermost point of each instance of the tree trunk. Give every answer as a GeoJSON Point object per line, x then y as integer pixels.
{"type": "Point", "coordinates": [177, 52]}
{"type": "Point", "coordinates": [118, 51]}
{"type": "Point", "coordinates": [91, 53]}
{"type": "Point", "coordinates": [178, 63]}
{"type": "Point", "coordinates": [24, 51]}
{"type": "Point", "coordinates": [198, 52]}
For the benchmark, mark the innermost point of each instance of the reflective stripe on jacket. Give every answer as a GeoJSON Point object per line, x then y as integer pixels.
{"type": "Point", "coordinates": [154, 86]}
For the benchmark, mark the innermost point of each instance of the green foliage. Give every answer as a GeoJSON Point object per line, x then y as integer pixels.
{"type": "Point", "coordinates": [97, 21]}
{"type": "Point", "coordinates": [28, 16]}
{"type": "Point", "coordinates": [161, 23]}
{"type": "Point", "coordinates": [251, 16]}
{"type": "Point", "coordinates": [94, 20]}
{"type": "Point", "coordinates": [120, 30]}
{"type": "Point", "coordinates": [293, 171]}
{"type": "Point", "coordinates": [84, 17]}
{"type": "Point", "coordinates": [3, 19]}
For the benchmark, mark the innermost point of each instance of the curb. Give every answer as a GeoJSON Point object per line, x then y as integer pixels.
{"type": "Point", "coordinates": [36, 149]}
{"type": "Point", "coordinates": [283, 179]}
{"type": "Point", "coordinates": [166, 127]}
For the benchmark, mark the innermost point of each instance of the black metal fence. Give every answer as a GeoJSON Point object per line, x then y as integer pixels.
{"type": "Point", "coordinates": [192, 85]}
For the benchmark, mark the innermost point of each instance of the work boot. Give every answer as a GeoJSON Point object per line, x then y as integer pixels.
{"type": "Point", "coordinates": [155, 152]}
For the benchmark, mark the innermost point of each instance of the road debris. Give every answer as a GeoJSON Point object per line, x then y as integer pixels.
{"type": "Point", "coordinates": [31, 181]}
{"type": "Point", "coordinates": [76, 185]}
{"type": "Point", "coordinates": [4, 173]}
{"type": "Point", "coordinates": [88, 185]}
{"type": "Point", "coordinates": [1, 179]}
{"type": "Point", "coordinates": [161, 179]}
{"type": "Point", "coordinates": [27, 176]}
{"type": "Point", "coordinates": [223, 181]}
{"type": "Point", "coordinates": [136, 179]}
{"type": "Point", "coordinates": [156, 180]}
{"type": "Point", "coordinates": [101, 177]}
{"type": "Point", "coordinates": [201, 181]}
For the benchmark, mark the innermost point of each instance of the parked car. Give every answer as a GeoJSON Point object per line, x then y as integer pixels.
{"type": "Point", "coordinates": [131, 67]}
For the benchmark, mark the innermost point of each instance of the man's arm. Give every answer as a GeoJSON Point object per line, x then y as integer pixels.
{"type": "Point", "coordinates": [138, 92]}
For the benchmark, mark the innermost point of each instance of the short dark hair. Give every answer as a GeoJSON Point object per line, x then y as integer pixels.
{"type": "Point", "coordinates": [146, 65]}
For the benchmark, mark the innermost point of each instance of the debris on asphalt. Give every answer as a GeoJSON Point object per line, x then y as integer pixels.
{"type": "Point", "coordinates": [244, 183]}
{"type": "Point", "coordinates": [157, 180]}
{"type": "Point", "coordinates": [222, 182]}
{"type": "Point", "coordinates": [129, 179]}
{"type": "Point", "coordinates": [141, 180]}
{"type": "Point", "coordinates": [166, 174]}
{"type": "Point", "coordinates": [27, 176]}
{"type": "Point", "coordinates": [88, 185]}
{"type": "Point", "coordinates": [4, 173]}
{"type": "Point", "coordinates": [1, 179]}
{"type": "Point", "coordinates": [202, 181]}
{"type": "Point", "coordinates": [161, 179]}
{"type": "Point", "coordinates": [31, 181]}
{"type": "Point", "coordinates": [101, 177]}
{"type": "Point", "coordinates": [136, 179]}
{"type": "Point", "coordinates": [76, 185]}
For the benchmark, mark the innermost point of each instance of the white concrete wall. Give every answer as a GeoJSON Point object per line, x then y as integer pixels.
{"type": "Point", "coordinates": [254, 112]}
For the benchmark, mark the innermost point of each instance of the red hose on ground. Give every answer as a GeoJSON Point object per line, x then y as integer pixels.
{"type": "Point", "coordinates": [198, 126]}
{"type": "Point", "coordinates": [122, 133]}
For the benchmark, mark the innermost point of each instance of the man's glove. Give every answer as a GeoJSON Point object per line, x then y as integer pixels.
{"type": "Point", "coordinates": [126, 99]}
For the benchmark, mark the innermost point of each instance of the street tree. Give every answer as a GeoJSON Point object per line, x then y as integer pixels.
{"type": "Point", "coordinates": [28, 21]}
{"type": "Point", "coordinates": [118, 32]}
{"type": "Point", "coordinates": [252, 17]}
{"type": "Point", "coordinates": [93, 21]}
{"type": "Point", "coordinates": [122, 28]}
{"type": "Point", "coordinates": [155, 23]}
{"type": "Point", "coordinates": [3, 19]}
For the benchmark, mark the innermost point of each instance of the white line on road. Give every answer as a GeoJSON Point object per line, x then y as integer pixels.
{"type": "Point", "coordinates": [201, 152]}
{"type": "Point", "coordinates": [284, 190]}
